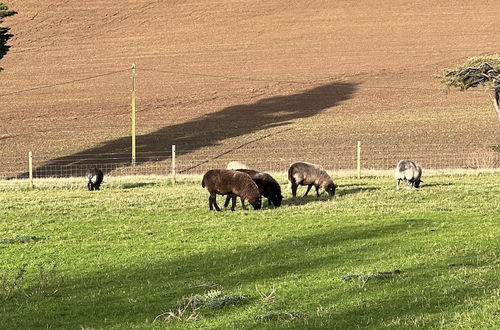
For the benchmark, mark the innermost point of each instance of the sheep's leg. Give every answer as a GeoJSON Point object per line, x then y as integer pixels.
{"type": "Point", "coordinates": [294, 188]}
{"type": "Point", "coordinates": [210, 204]}
{"type": "Point", "coordinates": [228, 198]}
{"type": "Point", "coordinates": [214, 201]}
{"type": "Point", "coordinates": [89, 185]}
{"type": "Point", "coordinates": [233, 204]}
{"type": "Point", "coordinates": [317, 191]}
{"type": "Point", "coordinates": [243, 205]}
{"type": "Point", "coordinates": [308, 188]}
{"type": "Point", "coordinates": [397, 185]}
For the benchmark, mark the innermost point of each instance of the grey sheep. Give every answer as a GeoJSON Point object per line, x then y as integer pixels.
{"type": "Point", "coordinates": [229, 182]}
{"type": "Point", "coordinates": [268, 187]}
{"type": "Point", "coordinates": [94, 178]}
{"type": "Point", "coordinates": [409, 172]}
{"type": "Point", "coordinates": [307, 174]}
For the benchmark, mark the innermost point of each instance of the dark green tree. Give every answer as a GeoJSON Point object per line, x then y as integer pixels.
{"type": "Point", "coordinates": [4, 35]}
{"type": "Point", "coordinates": [477, 71]}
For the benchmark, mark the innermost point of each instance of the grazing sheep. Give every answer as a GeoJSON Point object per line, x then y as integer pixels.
{"type": "Point", "coordinates": [94, 178]}
{"type": "Point", "coordinates": [268, 187]}
{"type": "Point", "coordinates": [307, 174]}
{"type": "Point", "coordinates": [224, 182]}
{"type": "Point", "coordinates": [236, 165]}
{"type": "Point", "coordinates": [409, 172]}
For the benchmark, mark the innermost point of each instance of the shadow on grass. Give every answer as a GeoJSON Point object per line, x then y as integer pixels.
{"type": "Point", "coordinates": [341, 186]}
{"type": "Point", "coordinates": [139, 185]}
{"type": "Point", "coordinates": [424, 185]}
{"type": "Point", "coordinates": [301, 200]}
{"type": "Point", "coordinates": [343, 192]}
{"type": "Point", "coordinates": [130, 295]}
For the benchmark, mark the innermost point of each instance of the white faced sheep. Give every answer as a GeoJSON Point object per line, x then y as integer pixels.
{"type": "Point", "coordinates": [94, 178]}
{"type": "Point", "coordinates": [268, 187]}
{"type": "Point", "coordinates": [409, 172]}
{"type": "Point", "coordinates": [236, 165]}
{"type": "Point", "coordinates": [228, 182]}
{"type": "Point", "coordinates": [307, 174]}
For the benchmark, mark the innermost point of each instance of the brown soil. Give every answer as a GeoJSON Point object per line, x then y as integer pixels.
{"type": "Point", "coordinates": [258, 81]}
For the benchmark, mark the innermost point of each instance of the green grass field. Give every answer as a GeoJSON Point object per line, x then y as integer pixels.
{"type": "Point", "coordinates": [146, 254]}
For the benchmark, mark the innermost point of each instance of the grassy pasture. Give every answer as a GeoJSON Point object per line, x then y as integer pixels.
{"type": "Point", "coordinates": [140, 254]}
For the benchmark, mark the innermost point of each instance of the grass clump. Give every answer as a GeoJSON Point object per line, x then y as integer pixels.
{"type": "Point", "coordinates": [280, 316]}
{"type": "Point", "coordinates": [44, 282]}
{"type": "Point", "coordinates": [364, 278]}
{"type": "Point", "coordinates": [20, 239]}
{"type": "Point", "coordinates": [189, 309]}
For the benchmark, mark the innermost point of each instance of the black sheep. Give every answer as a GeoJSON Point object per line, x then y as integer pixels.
{"type": "Point", "coordinates": [268, 187]}
{"type": "Point", "coordinates": [94, 178]}
{"type": "Point", "coordinates": [229, 182]}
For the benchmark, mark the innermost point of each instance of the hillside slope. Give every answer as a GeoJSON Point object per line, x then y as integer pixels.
{"type": "Point", "coordinates": [215, 76]}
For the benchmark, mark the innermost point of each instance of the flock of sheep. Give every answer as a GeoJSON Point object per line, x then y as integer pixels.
{"type": "Point", "coordinates": [250, 185]}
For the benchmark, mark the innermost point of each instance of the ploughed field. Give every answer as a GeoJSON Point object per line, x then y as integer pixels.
{"type": "Point", "coordinates": [256, 81]}
{"type": "Point", "coordinates": [148, 254]}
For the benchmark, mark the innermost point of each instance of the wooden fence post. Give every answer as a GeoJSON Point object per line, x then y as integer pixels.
{"type": "Point", "coordinates": [133, 105]}
{"type": "Point", "coordinates": [358, 159]}
{"type": "Point", "coordinates": [173, 165]}
{"type": "Point", "coordinates": [30, 169]}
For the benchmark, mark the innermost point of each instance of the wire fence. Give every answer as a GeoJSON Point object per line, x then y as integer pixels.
{"type": "Point", "coordinates": [197, 162]}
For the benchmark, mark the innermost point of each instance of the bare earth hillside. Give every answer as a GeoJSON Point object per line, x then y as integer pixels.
{"type": "Point", "coordinates": [265, 82]}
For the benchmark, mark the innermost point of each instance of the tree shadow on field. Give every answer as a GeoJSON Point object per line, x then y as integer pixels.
{"type": "Point", "coordinates": [122, 294]}
{"type": "Point", "coordinates": [209, 130]}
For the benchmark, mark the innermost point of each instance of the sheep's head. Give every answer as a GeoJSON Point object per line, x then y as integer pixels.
{"type": "Point", "coordinates": [416, 183]}
{"type": "Point", "coordinates": [276, 199]}
{"type": "Point", "coordinates": [257, 203]}
{"type": "Point", "coordinates": [330, 189]}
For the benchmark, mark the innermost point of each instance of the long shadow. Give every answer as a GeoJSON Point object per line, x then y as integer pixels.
{"type": "Point", "coordinates": [208, 130]}
{"type": "Point", "coordinates": [174, 278]}
{"type": "Point", "coordinates": [134, 294]}
{"type": "Point", "coordinates": [356, 190]}
{"type": "Point", "coordinates": [303, 200]}
{"type": "Point", "coordinates": [437, 184]}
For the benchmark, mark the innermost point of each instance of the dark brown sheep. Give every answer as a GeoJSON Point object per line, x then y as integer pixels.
{"type": "Point", "coordinates": [268, 187]}
{"type": "Point", "coordinates": [307, 174]}
{"type": "Point", "coordinates": [229, 182]}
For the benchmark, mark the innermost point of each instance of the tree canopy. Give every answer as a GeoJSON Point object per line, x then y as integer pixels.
{"type": "Point", "coordinates": [476, 71]}
{"type": "Point", "coordinates": [4, 35]}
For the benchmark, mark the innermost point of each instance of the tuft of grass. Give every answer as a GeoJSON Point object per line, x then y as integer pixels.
{"type": "Point", "coordinates": [46, 282]}
{"type": "Point", "coordinates": [364, 278]}
{"type": "Point", "coordinates": [20, 239]}
{"type": "Point", "coordinates": [280, 316]}
{"type": "Point", "coordinates": [189, 309]}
